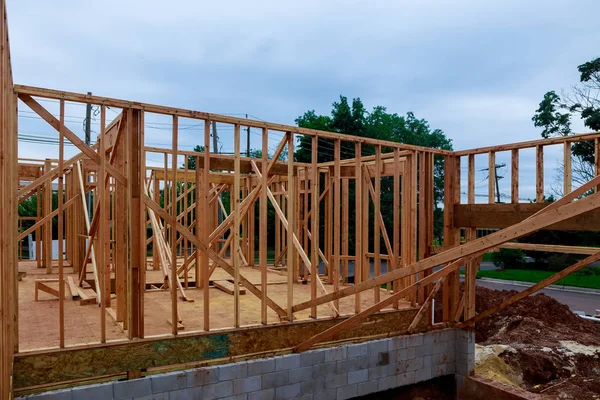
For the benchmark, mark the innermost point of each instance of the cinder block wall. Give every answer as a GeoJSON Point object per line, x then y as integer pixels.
{"type": "Point", "coordinates": [339, 372]}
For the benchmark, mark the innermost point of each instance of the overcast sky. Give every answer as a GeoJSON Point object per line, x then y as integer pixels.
{"type": "Point", "coordinates": [475, 69]}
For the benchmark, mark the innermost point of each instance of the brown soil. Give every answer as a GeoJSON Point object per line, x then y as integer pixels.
{"type": "Point", "coordinates": [539, 320]}
{"type": "Point", "coordinates": [534, 327]}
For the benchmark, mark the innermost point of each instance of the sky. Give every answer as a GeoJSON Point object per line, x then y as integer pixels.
{"type": "Point", "coordinates": [475, 69]}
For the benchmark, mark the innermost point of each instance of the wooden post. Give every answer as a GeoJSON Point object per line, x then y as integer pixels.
{"type": "Point", "coordinates": [174, 277]}
{"type": "Point", "coordinates": [334, 262]}
{"type": "Point", "coordinates": [291, 213]}
{"type": "Point", "coordinates": [263, 225]}
{"type": "Point", "coordinates": [358, 235]}
{"type": "Point", "coordinates": [121, 236]}
{"type": "Point", "coordinates": [61, 276]}
{"type": "Point", "coordinates": [491, 177]}
{"type": "Point", "coordinates": [315, 223]}
{"type": "Point", "coordinates": [345, 227]}
{"type": "Point", "coordinates": [568, 176]}
{"type": "Point", "coordinates": [47, 209]}
{"type": "Point", "coordinates": [205, 226]}
{"type": "Point", "coordinates": [377, 225]}
{"type": "Point", "coordinates": [450, 185]}
{"type": "Point", "coordinates": [539, 174]}
{"type": "Point", "coordinates": [597, 161]}
{"type": "Point", "coordinates": [235, 209]}
{"type": "Point", "coordinates": [472, 265]}
{"type": "Point", "coordinates": [102, 226]}
{"type": "Point", "coordinates": [514, 176]}
{"type": "Point", "coordinates": [137, 221]}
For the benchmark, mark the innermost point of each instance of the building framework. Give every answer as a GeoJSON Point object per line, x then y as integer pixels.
{"type": "Point", "coordinates": [161, 235]}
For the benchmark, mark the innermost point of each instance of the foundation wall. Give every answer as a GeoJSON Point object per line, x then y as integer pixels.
{"type": "Point", "coordinates": [340, 372]}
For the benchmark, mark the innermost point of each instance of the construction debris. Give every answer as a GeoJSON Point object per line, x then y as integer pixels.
{"type": "Point", "coordinates": [539, 345]}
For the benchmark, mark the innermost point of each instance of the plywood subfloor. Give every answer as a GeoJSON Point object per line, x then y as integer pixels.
{"type": "Point", "coordinates": [38, 321]}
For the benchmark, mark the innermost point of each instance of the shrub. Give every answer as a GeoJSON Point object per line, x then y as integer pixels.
{"type": "Point", "coordinates": [509, 259]}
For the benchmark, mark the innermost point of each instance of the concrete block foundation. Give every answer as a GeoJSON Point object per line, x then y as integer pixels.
{"type": "Point", "coordinates": [340, 372]}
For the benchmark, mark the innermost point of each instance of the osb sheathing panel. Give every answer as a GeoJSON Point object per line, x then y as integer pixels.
{"type": "Point", "coordinates": [54, 367]}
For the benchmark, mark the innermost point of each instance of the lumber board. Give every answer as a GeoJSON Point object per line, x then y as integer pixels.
{"type": "Point", "coordinates": [48, 367]}
{"type": "Point", "coordinates": [227, 287]}
{"type": "Point", "coordinates": [504, 215]}
{"type": "Point", "coordinates": [119, 103]}
{"type": "Point", "coordinates": [533, 224]}
{"type": "Point", "coordinates": [538, 286]}
{"type": "Point", "coordinates": [73, 288]}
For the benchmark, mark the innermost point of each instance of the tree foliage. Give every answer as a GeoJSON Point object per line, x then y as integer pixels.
{"type": "Point", "coordinates": [355, 120]}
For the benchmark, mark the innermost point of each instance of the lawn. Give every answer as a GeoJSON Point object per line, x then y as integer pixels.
{"type": "Point", "coordinates": [578, 279]}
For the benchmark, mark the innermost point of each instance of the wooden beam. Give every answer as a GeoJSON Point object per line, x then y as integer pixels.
{"type": "Point", "coordinates": [235, 209]}
{"type": "Point", "coordinates": [70, 136]}
{"type": "Point", "coordinates": [567, 173]}
{"type": "Point", "coordinates": [111, 102]}
{"type": "Point", "coordinates": [292, 228]}
{"type": "Point", "coordinates": [538, 286]}
{"type": "Point", "coordinates": [514, 176]}
{"type": "Point", "coordinates": [539, 174]}
{"type": "Point", "coordinates": [356, 319]}
{"type": "Point", "coordinates": [212, 254]}
{"type": "Point", "coordinates": [486, 243]}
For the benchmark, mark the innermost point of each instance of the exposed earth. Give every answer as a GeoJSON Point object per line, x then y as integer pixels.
{"type": "Point", "coordinates": [539, 345]}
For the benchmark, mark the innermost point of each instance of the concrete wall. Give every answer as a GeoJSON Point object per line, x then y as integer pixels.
{"type": "Point", "coordinates": [339, 372]}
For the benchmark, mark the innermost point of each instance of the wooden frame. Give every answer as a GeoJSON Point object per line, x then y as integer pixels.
{"type": "Point", "coordinates": [172, 207]}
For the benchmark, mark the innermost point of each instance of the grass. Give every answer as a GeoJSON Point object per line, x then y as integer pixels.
{"type": "Point", "coordinates": [582, 279]}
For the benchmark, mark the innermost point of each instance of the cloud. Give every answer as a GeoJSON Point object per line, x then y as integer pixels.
{"type": "Point", "coordinates": [476, 70]}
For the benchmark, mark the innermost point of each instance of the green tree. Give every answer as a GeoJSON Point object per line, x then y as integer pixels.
{"type": "Point", "coordinates": [354, 120]}
{"type": "Point", "coordinates": [192, 159]}
{"type": "Point", "coordinates": [555, 114]}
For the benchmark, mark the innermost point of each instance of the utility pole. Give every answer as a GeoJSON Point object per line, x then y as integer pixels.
{"type": "Point", "coordinates": [498, 177]}
{"type": "Point", "coordinates": [88, 141]}
{"type": "Point", "coordinates": [247, 139]}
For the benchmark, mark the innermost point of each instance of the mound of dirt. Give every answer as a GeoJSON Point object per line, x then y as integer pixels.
{"type": "Point", "coordinates": [556, 352]}
{"type": "Point", "coordinates": [538, 320]}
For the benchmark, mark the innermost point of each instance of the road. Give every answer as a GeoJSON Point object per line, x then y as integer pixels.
{"type": "Point", "coordinates": [586, 302]}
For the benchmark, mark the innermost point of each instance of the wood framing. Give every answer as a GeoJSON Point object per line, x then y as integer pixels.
{"type": "Point", "coordinates": [147, 243]}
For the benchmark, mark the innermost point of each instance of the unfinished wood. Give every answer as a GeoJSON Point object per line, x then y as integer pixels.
{"type": "Point", "coordinates": [567, 173]}
{"type": "Point", "coordinates": [61, 221]}
{"type": "Point", "coordinates": [356, 319]}
{"type": "Point", "coordinates": [358, 243]}
{"type": "Point", "coordinates": [425, 306]}
{"type": "Point", "coordinates": [514, 176]}
{"type": "Point", "coordinates": [486, 243]}
{"type": "Point", "coordinates": [103, 263]}
{"type": "Point", "coordinates": [22, 90]}
{"type": "Point", "coordinates": [235, 209]}
{"type": "Point", "coordinates": [539, 174]}
{"type": "Point", "coordinates": [505, 215]}
{"type": "Point", "coordinates": [69, 135]}
{"type": "Point", "coordinates": [173, 237]}
{"type": "Point", "coordinates": [292, 228]}
{"type": "Point", "coordinates": [530, 143]}
{"type": "Point", "coordinates": [337, 228]}
{"type": "Point", "coordinates": [548, 281]}
{"type": "Point", "coordinates": [228, 287]}
{"type": "Point", "coordinates": [263, 225]}
{"type": "Point", "coordinates": [376, 224]}
{"type": "Point", "coordinates": [205, 227]}
{"type": "Point", "coordinates": [315, 223]}
{"type": "Point", "coordinates": [551, 248]}
{"type": "Point", "coordinates": [492, 177]}
{"type": "Point", "coordinates": [93, 361]}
